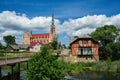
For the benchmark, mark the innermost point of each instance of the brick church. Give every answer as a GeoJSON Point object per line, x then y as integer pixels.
{"type": "Point", "coordinates": [31, 39]}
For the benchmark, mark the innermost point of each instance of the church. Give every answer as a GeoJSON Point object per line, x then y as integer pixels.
{"type": "Point", "coordinates": [42, 39]}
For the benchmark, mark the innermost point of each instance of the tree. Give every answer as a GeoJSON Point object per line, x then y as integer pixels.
{"type": "Point", "coordinates": [45, 66]}
{"type": "Point", "coordinates": [64, 46]}
{"type": "Point", "coordinates": [1, 46]}
{"type": "Point", "coordinates": [114, 50]}
{"type": "Point", "coordinates": [54, 44]}
{"type": "Point", "coordinates": [106, 35]}
{"type": "Point", "coordinates": [9, 39]}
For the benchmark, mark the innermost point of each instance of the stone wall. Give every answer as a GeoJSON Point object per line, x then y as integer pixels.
{"type": "Point", "coordinates": [74, 59]}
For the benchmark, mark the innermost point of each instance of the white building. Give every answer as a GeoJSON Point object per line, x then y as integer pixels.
{"type": "Point", "coordinates": [35, 47]}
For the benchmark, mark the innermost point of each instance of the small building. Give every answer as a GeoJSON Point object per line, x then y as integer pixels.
{"type": "Point", "coordinates": [23, 47]}
{"type": "Point", "coordinates": [12, 48]}
{"type": "Point", "coordinates": [85, 47]}
{"type": "Point", "coordinates": [18, 47]}
{"type": "Point", "coordinates": [35, 46]}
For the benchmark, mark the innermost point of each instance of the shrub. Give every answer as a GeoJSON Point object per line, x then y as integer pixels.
{"type": "Point", "coordinates": [43, 65]}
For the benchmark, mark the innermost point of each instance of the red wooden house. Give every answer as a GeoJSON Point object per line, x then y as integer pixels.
{"type": "Point", "coordinates": [85, 47]}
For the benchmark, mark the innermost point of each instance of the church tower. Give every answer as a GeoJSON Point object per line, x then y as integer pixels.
{"type": "Point", "coordinates": [26, 38]}
{"type": "Point", "coordinates": [52, 28]}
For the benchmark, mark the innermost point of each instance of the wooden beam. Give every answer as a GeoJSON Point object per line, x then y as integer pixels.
{"type": "Point", "coordinates": [0, 72]}
{"type": "Point", "coordinates": [18, 71]}
{"type": "Point", "coordinates": [12, 71]}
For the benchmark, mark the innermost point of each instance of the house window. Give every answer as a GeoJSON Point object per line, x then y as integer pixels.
{"type": "Point", "coordinates": [89, 42]}
{"type": "Point", "coordinates": [37, 44]}
{"type": "Point", "coordinates": [84, 42]}
{"type": "Point", "coordinates": [80, 43]}
{"type": "Point", "coordinates": [85, 51]}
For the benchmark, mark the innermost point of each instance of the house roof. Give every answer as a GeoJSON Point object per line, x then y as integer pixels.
{"type": "Point", "coordinates": [84, 37]}
{"type": "Point", "coordinates": [33, 44]}
{"type": "Point", "coordinates": [72, 39]}
{"type": "Point", "coordinates": [40, 35]}
{"type": "Point", "coordinates": [14, 46]}
{"type": "Point", "coordinates": [19, 46]}
{"type": "Point", "coordinates": [25, 46]}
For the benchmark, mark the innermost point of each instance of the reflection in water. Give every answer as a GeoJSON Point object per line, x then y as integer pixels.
{"type": "Point", "coordinates": [22, 74]}
{"type": "Point", "coordinates": [95, 76]}
{"type": "Point", "coordinates": [4, 72]}
{"type": "Point", "coordinates": [82, 76]}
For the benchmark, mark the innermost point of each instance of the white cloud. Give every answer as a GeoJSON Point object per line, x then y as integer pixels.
{"type": "Point", "coordinates": [14, 23]}
{"type": "Point", "coordinates": [87, 24]}
{"type": "Point", "coordinates": [11, 32]}
{"type": "Point", "coordinates": [11, 21]}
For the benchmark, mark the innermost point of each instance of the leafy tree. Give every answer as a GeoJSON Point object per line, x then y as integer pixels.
{"type": "Point", "coordinates": [9, 39]}
{"type": "Point", "coordinates": [106, 35]}
{"type": "Point", "coordinates": [59, 45]}
{"type": "Point", "coordinates": [1, 46]}
{"type": "Point", "coordinates": [54, 44]}
{"type": "Point", "coordinates": [64, 46]}
{"type": "Point", "coordinates": [114, 50]}
{"type": "Point", "coordinates": [45, 66]}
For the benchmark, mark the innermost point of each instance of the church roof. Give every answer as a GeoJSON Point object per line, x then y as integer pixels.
{"type": "Point", "coordinates": [40, 35]}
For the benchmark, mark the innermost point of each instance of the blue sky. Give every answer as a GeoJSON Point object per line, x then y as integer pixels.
{"type": "Point", "coordinates": [66, 12]}
{"type": "Point", "coordinates": [63, 8]}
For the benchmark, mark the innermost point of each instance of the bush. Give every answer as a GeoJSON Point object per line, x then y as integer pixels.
{"type": "Point", "coordinates": [43, 65]}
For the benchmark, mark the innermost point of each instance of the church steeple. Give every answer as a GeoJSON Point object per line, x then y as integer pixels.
{"type": "Point", "coordinates": [52, 25]}
{"type": "Point", "coordinates": [52, 28]}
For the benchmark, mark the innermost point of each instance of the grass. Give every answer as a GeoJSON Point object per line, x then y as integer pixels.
{"type": "Point", "coordinates": [14, 56]}
{"type": "Point", "coordinates": [113, 66]}
{"type": "Point", "coordinates": [106, 66]}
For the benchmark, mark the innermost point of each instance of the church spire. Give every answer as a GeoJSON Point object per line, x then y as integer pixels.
{"type": "Point", "coordinates": [52, 19]}
{"type": "Point", "coordinates": [52, 28]}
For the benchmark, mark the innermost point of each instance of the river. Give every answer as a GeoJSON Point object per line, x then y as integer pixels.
{"type": "Point", "coordinates": [95, 76]}
{"type": "Point", "coordinates": [83, 76]}
{"type": "Point", "coordinates": [22, 74]}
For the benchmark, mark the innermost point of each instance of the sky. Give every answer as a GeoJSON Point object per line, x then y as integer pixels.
{"type": "Point", "coordinates": [72, 17]}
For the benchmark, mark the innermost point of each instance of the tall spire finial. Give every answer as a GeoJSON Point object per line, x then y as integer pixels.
{"type": "Point", "coordinates": [52, 18]}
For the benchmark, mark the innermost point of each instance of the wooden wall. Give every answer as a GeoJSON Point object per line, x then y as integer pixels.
{"type": "Point", "coordinates": [77, 44]}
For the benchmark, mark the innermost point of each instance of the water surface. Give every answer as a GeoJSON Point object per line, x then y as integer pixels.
{"type": "Point", "coordinates": [95, 76]}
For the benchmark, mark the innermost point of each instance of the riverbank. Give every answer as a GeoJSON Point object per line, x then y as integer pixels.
{"type": "Point", "coordinates": [110, 66]}
{"type": "Point", "coordinates": [94, 75]}
{"type": "Point", "coordinates": [102, 66]}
